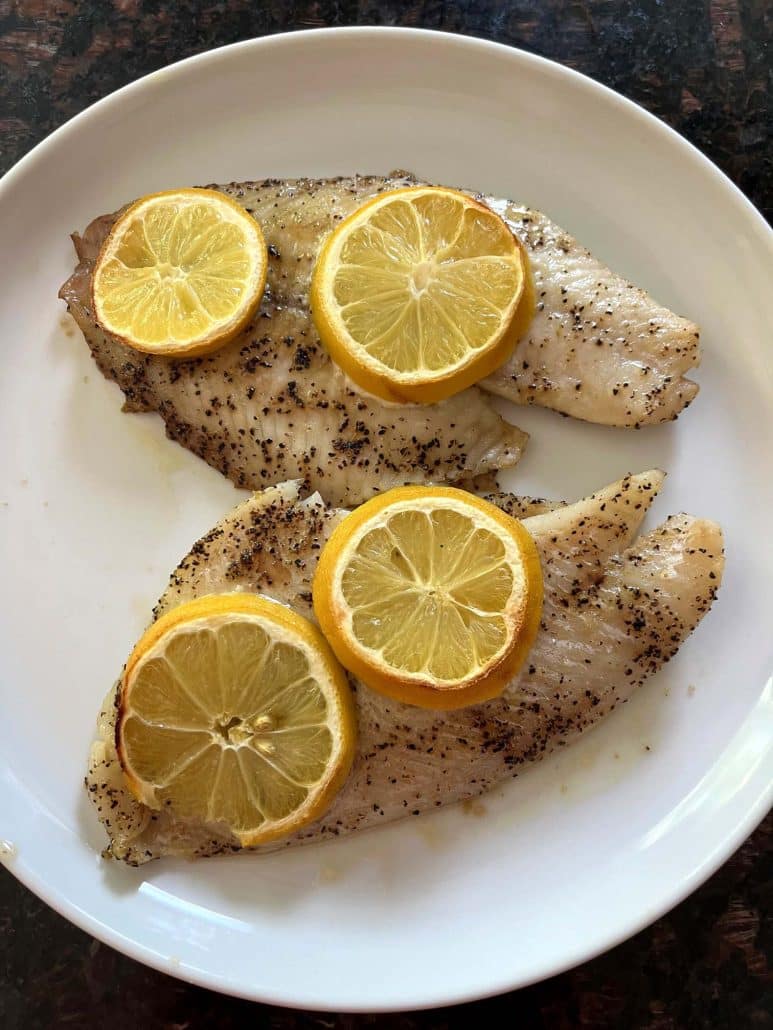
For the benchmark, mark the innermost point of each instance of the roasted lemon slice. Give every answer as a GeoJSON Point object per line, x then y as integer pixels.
{"type": "Point", "coordinates": [421, 292]}
{"type": "Point", "coordinates": [430, 595]}
{"type": "Point", "coordinates": [180, 273]}
{"type": "Point", "coordinates": [234, 712]}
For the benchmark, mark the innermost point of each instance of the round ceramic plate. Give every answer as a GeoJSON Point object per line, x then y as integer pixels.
{"type": "Point", "coordinates": [578, 852]}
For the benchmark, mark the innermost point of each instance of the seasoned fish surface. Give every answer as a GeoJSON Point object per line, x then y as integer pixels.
{"type": "Point", "coordinates": [271, 405]}
{"type": "Point", "coordinates": [598, 348]}
{"type": "Point", "coordinates": [616, 608]}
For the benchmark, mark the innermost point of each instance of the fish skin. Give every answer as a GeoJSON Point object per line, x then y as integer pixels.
{"type": "Point", "coordinates": [616, 608]}
{"type": "Point", "coordinates": [271, 405]}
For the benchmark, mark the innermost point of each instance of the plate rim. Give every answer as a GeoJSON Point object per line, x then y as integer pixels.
{"type": "Point", "coordinates": [460, 40]}
{"type": "Point", "coordinates": [746, 821]}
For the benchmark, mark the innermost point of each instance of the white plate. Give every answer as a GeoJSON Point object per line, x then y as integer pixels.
{"type": "Point", "coordinates": [97, 507]}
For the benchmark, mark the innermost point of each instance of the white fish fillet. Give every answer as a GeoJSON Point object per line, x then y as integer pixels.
{"type": "Point", "coordinates": [271, 405]}
{"type": "Point", "coordinates": [616, 608]}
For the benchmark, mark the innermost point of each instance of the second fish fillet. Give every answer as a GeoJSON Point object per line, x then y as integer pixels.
{"type": "Point", "coordinates": [617, 606]}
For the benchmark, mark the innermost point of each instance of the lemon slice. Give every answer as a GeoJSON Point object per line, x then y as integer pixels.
{"type": "Point", "coordinates": [234, 712]}
{"type": "Point", "coordinates": [430, 595]}
{"type": "Point", "coordinates": [420, 293]}
{"type": "Point", "coordinates": [180, 273]}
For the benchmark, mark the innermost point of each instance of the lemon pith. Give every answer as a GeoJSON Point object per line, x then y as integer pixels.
{"type": "Point", "coordinates": [430, 595]}
{"type": "Point", "coordinates": [234, 712]}
{"type": "Point", "coordinates": [180, 273]}
{"type": "Point", "coordinates": [415, 292]}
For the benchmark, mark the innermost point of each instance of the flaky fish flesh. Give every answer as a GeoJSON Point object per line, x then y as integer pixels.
{"type": "Point", "coordinates": [617, 606]}
{"type": "Point", "coordinates": [271, 405]}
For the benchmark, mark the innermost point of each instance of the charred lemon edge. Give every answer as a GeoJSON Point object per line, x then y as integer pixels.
{"type": "Point", "coordinates": [373, 376]}
{"type": "Point", "coordinates": [329, 609]}
{"type": "Point", "coordinates": [215, 340]}
{"type": "Point", "coordinates": [240, 603]}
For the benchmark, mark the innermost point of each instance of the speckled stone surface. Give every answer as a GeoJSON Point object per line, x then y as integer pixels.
{"type": "Point", "coordinates": [705, 67]}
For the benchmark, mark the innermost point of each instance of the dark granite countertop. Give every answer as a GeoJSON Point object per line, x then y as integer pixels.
{"type": "Point", "coordinates": [706, 68]}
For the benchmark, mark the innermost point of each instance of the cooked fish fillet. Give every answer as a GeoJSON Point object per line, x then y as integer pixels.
{"type": "Point", "coordinates": [616, 608]}
{"type": "Point", "coordinates": [271, 405]}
